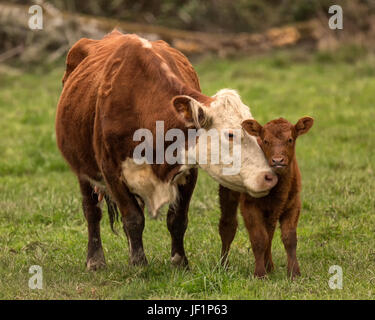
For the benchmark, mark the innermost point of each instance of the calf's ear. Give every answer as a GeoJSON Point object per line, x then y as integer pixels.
{"type": "Point", "coordinates": [252, 127]}
{"type": "Point", "coordinates": [303, 125]}
{"type": "Point", "coordinates": [191, 111]}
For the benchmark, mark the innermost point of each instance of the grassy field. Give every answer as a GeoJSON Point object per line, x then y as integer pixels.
{"type": "Point", "coordinates": [41, 222]}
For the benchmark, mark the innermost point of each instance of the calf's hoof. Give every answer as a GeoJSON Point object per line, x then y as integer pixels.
{"type": "Point", "coordinates": [225, 264]}
{"type": "Point", "coordinates": [180, 261]}
{"type": "Point", "coordinates": [270, 267]}
{"type": "Point", "coordinates": [260, 274]}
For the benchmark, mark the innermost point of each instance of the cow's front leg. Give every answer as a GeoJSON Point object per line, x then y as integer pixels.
{"type": "Point", "coordinates": [133, 220]}
{"type": "Point", "coordinates": [228, 221]}
{"type": "Point", "coordinates": [93, 214]}
{"type": "Point", "coordinates": [177, 219]}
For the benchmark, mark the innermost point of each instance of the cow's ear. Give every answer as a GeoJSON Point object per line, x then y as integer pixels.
{"type": "Point", "coordinates": [192, 112]}
{"type": "Point", "coordinates": [303, 125]}
{"type": "Point", "coordinates": [252, 127]}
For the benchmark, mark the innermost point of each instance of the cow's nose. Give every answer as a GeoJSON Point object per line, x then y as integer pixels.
{"type": "Point", "coordinates": [270, 179]}
{"type": "Point", "coordinates": [279, 160]}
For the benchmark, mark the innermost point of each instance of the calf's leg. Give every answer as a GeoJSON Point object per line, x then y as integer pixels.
{"type": "Point", "coordinates": [270, 227]}
{"type": "Point", "coordinates": [93, 214]}
{"type": "Point", "coordinates": [228, 221]}
{"type": "Point", "coordinates": [288, 225]}
{"type": "Point", "coordinates": [177, 219]}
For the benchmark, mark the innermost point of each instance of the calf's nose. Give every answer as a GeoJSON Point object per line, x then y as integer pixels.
{"type": "Point", "coordinates": [278, 160]}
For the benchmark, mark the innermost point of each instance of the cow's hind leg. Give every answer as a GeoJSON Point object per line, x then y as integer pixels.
{"type": "Point", "coordinates": [177, 219]}
{"type": "Point", "coordinates": [228, 221]}
{"type": "Point", "coordinates": [93, 214]}
{"type": "Point", "coordinates": [133, 218]}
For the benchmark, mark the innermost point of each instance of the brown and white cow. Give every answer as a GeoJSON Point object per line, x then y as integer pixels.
{"type": "Point", "coordinates": [111, 88]}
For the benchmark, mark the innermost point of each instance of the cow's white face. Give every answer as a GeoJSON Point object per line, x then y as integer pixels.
{"type": "Point", "coordinates": [250, 173]}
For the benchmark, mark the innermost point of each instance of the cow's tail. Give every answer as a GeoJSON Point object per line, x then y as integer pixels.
{"type": "Point", "coordinates": [112, 212]}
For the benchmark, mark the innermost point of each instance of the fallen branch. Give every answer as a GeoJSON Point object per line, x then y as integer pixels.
{"type": "Point", "coordinates": [11, 53]}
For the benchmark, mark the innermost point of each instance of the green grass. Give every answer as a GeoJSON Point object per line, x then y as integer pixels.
{"type": "Point", "coordinates": [40, 212]}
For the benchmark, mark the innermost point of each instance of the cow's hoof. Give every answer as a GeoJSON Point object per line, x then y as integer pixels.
{"type": "Point", "coordinates": [96, 261]}
{"type": "Point", "coordinates": [139, 261]}
{"type": "Point", "coordinates": [294, 274]}
{"type": "Point", "coordinates": [92, 265]}
{"type": "Point", "coordinates": [180, 261]}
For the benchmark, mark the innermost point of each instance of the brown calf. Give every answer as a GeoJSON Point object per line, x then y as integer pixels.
{"type": "Point", "coordinates": [277, 140]}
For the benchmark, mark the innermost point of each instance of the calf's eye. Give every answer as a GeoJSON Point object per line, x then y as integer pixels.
{"type": "Point", "coordinates": [290, 140]}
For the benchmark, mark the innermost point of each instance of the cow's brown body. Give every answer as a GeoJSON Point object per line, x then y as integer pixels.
{"type": "Point", "coordinates": [112, 87]}
{"type": "Point", "coordinates": [118, 85]}
{"type": "Point", "coordinates": [282, 204]}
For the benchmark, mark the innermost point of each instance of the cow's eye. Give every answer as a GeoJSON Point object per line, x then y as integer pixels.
{"type": "Point", "coordinates": [290, 140]}
{"type": "Point", "coordinates": [265, 141]}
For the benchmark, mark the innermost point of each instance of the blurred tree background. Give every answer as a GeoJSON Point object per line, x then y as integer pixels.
{"type": "Point", "coordinates": [214, 15]}
{"type": "Point", "coordinates": [219, 27]}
